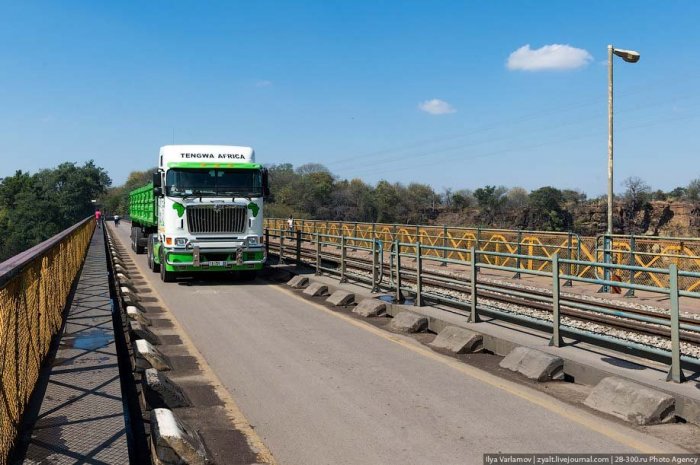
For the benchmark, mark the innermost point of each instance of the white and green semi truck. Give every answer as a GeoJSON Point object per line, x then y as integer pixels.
{"type": "Point", "coordinates": [202, 212]}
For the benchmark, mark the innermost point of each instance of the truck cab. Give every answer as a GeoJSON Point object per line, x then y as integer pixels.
{"type": "Point", "coordinates": [208, 205]}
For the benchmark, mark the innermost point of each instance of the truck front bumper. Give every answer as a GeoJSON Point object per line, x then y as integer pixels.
{"type": "Point", "coordinates": [215, 259]}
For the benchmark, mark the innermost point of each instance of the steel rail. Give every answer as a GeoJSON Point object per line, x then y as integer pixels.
{"type": "Point", "coordinates": [574, 307]}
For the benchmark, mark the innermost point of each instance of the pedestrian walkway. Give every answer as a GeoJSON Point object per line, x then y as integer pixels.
{"type": "Point", "coordinates": [78, 416]}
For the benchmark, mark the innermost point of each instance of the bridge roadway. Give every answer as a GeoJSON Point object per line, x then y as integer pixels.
{"type": "Point", "coordinates": [322, 388]}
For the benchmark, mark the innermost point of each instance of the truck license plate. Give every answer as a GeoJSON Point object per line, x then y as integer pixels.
{"type": "Point", "coordinates": [217, 263]}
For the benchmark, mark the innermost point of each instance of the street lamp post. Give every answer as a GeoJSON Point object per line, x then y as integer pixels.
{"type": "Point", "coordinates": [629, 56]}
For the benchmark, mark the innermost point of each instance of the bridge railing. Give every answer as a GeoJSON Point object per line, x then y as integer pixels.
{"type": "Point", "coordinates": [34, 288]}
{"type": "Point", "coordinates": [648, 252]}
{"type": "Point", "coordinates": [403, 263]}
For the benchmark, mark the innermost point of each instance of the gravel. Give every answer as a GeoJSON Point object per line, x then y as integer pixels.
{"type": "Point", "coordinates": [659, 342]}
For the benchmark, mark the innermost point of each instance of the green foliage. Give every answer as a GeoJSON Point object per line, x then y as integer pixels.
{"type": "Point", "coordinates": [546, 211]}
{"type": "Point", "coordinates": [116, 200]}
{"type": "Point", "coordinates": [36, 207]}
{"type": "Point", "coordinates": [491, 200]}
{"type": "Point", "coordinates": [692, 192]}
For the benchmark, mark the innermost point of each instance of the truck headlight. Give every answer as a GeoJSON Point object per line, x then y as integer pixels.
{"type": "Point", "coordinates": [180, 241]}
{"type": "Point", "coordinates": [252, 241]}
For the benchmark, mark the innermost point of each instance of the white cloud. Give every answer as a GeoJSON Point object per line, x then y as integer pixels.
{"type": "Point", "coordinates": [549, 57]}
{"type": "Point", "coordinates": [263, 83]}
{"type": "Point", "coordinates": [436, 107]}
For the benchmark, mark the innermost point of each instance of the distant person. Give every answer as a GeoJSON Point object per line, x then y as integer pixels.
{"type": "Point", "coordinates": [98, 217]}
{"type": "Point", "coordinates": [290, 223]}
{"type": "Point", "coordinates": [116, 220]}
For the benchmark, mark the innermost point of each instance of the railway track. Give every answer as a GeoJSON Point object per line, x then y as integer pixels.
{"type": "Point", "coordinates": [591, 311]}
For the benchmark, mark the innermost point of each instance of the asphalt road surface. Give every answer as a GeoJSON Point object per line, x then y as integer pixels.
{"type": "Point", "coordinates": [322, 388]}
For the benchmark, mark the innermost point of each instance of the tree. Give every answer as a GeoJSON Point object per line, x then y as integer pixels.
{"type": "Point", "coordinates": [677, 193]}
{"type": "Point", "coordinates": [462, 199]}
{"type": "Point", "coordinates": [386, 201]}
{"type": "Point", "coordinates": [635, 199]}
{"type": "Point", "coordinates": [39, 206]}
{"type": "Point", "coordinates": [517, 198]}
{"type": "Point", "coordinates": [573, 196]}
{"type": "Point", "coordinates": [491, 200]}
{"type": "Point", "coordinates": [310, 168]}
{"type": "Point", "coordinates": [116, 199]}
{"type": "Point", "coordinates": [692, 192]}
{"type": "Point", "coordinates": [545, 210]}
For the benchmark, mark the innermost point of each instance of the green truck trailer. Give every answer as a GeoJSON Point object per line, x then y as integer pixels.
{"type": "Point", "coordinates": [202, 212]}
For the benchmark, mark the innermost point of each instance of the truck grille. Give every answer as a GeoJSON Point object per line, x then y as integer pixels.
{"type": "Point", "coordinates": [216, 219]}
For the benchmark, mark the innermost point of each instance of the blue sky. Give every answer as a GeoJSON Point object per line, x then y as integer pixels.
{"type": "Point", "coordinates": [348, 83]}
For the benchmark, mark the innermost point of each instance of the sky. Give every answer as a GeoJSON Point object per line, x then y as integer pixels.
{"type": "Point", "coordinates": [455, 94]}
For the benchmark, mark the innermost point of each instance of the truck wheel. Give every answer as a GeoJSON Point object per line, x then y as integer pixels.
{"type": "Point", "coordinates": [155, 267]}
{"type": "Point", "coordinates": [133, 233]}
{"type": "Point", "coordinates": [138, 239]}
{"type": "Point", "coordinates": [165, 275]}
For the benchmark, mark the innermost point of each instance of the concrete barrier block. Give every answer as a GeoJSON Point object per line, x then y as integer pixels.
{"type": "Point", "coordinates": [130, 299]}
{"type": "Point", "coordinates": [534, 364]}
{"type": "Point", "coordinates": [174, 442]}
{"type": "Point", "coordinates": [341, 298]}
{"type": "Point", "coordinates": [298, 282]}
{"type": "Point", "coordinates": [124, 281]}
{"type": "Point", "coordinates": [120, 269]}
{"type": "Point", "coordinates": [125, 289]}
{"type": "Point", "coordinates": [139, 331]}
{"type": "Point", "coordinates": [148, 356]}
{"type": "Point", "coordinates": [631, 401]}
{"type": "Point", "coordinates": [316, 289]}
{"type": "Point", "coordinates": [370, 307]}
{"type": "Point", "coordinates": [458, 340]}
{"type": "Point", "coordinates": [133, 313]}
{"type": "Point", "coordinates": [162, 391]}
{"type": "Point", "coordinates": [407, 322]}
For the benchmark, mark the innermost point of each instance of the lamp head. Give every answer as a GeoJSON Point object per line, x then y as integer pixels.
{"type": "Point", "coordinates": [630, 56]}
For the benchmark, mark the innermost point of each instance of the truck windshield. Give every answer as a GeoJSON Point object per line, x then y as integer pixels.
{"type": "Point", "coordinates": [213, 182]}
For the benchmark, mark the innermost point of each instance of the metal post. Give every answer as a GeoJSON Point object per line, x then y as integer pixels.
{"type": "Point", "coordinates": [478, 239]}
{"type": "Point", "coordinates": [375, 286]}
{"type": "Point", "coordinates": [570, 247]}
{"type": "Point", "coordinates": [318, 254]}
{"type": "Point", "coordinates": [444, 244]}
{"type": "Point", "coordinates": [610, 141]}
{"type": "Point", "coordinates": [298, 258]}
{"type": "Point", "coordinates": [419, 277]}
{"type": "Point", "coordinates": [607, 259]}
{"type": "Point", "coordinates": [676, 373]}
{"type": "Point", "coordinates": [556, 340]}
{"type": "Point", "coordinates": [473, 316]}
{"type": "Point", "coordinates": [519, 252]}
{"type": "Point", "coordinates": [633, 246]}
{"type": "Point", "coordinates": [397, 249]}
{"type": "Point", "coordinates": [282, 234]}
{"type": "Point", "coordinates": [343, 279]}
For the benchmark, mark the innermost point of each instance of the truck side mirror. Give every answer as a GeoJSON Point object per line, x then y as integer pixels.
{"type": "Point", "coordinates": [265, 183]}
{"type": "Point", "coordinates": [156, 179]}
{"type": "Point", "coordinates": [157, 192]}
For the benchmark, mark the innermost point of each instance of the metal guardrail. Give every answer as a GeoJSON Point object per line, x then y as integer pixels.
{"type": "Point", "coordinates": [651, 252]}
{"type": "Point", "coordinates": [289, 245]}
{"type": "Point", "coordinates": [34, 288]}
{"type": "Point", "coordinates": [645, 251]}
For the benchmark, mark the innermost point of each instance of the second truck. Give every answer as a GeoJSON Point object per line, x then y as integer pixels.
{"type": "Point", "coordinates": [202, 212]}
